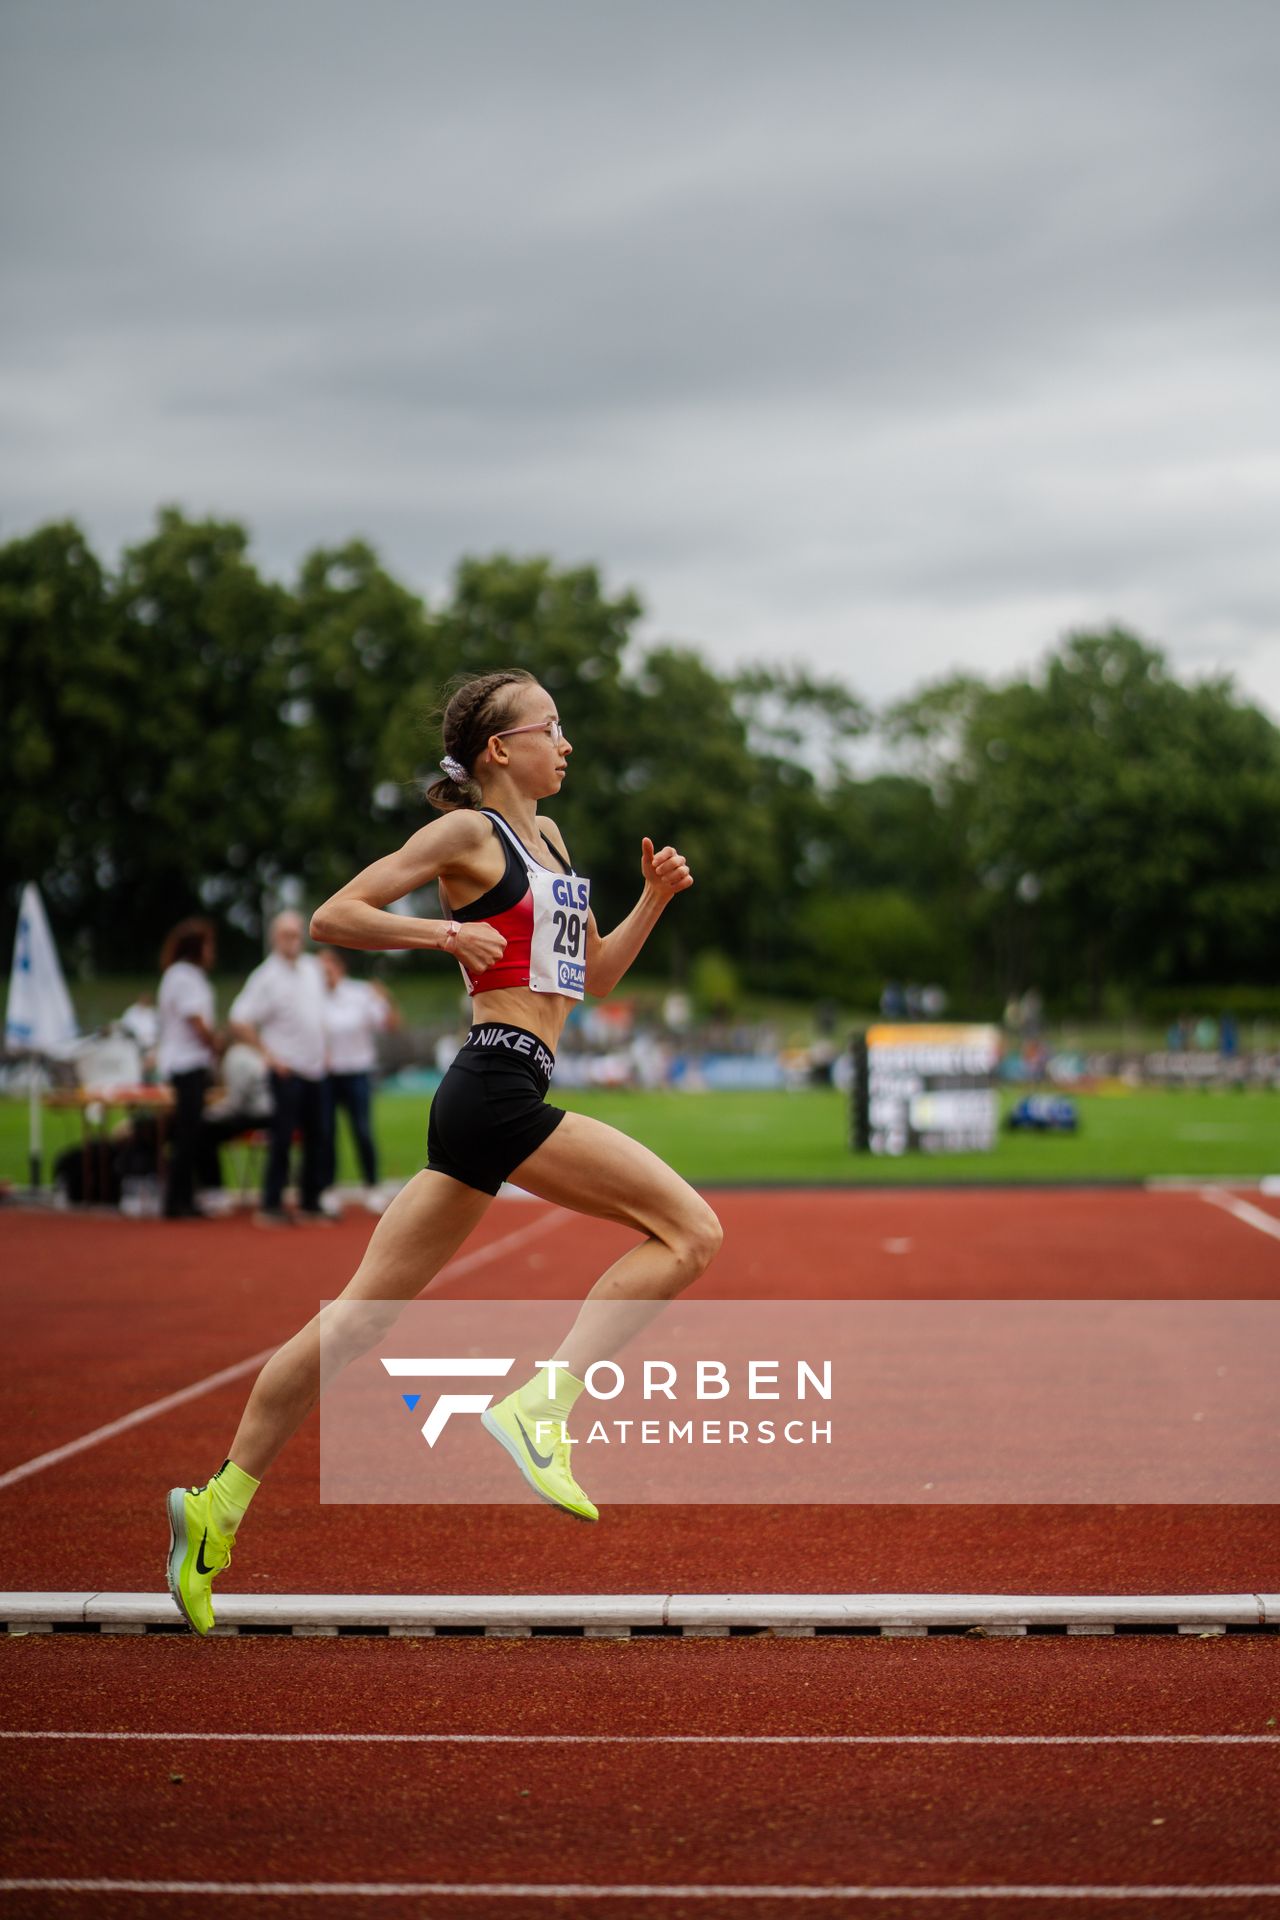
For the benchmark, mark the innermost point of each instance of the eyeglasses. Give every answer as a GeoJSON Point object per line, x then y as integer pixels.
{"type": "Point", "coordinates": [552, 728]}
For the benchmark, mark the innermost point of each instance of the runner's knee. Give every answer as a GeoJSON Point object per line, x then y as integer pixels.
{"type": "Point", "coordinates": [696, 1243]}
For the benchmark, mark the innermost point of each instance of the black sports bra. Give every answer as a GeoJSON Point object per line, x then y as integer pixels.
{"type": "Point", "coordinates": [514, 884]}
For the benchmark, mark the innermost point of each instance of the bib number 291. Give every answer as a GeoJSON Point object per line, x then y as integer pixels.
{"type": "Point", "coordinates": [568, 933]}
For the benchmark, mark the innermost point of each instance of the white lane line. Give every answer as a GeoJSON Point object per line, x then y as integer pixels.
{"type": "Point", "coordinates": [154, 1408]}
{"type": "Point", "coordinates": [1242, 1210]}
{"type": "Point", "coordinates": [134, 1419]}
{"type": "Point", "coordinates": [535, 1890]}
{"type": "Point", "coordinates": [680, 1739]}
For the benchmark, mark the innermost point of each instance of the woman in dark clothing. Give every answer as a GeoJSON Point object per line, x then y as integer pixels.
{"type": "Point", "coordinates": [186, 1052]}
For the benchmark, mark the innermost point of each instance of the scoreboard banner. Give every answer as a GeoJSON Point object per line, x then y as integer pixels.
{"type": "Point", "coordinates": [925, 1088]}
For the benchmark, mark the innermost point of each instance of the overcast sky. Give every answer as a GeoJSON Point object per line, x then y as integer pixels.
{"type": "Point", "coordinates": [897, 338]}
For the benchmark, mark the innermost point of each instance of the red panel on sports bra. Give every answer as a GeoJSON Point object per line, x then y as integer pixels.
{"type": "Point", "coordinates": [516, 924]}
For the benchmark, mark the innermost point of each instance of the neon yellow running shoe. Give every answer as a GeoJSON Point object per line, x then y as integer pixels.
{"type": "Point", "coordinates": [543, 1461]}
{"type": "Point", "coordinates": [197, 1552]}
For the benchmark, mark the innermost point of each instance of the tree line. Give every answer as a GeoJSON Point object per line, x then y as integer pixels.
{"type": "Point", "coordinates": [181, 733]}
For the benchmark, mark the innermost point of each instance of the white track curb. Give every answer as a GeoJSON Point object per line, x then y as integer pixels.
{"type": "Point", "coordinates": [619, 1613]}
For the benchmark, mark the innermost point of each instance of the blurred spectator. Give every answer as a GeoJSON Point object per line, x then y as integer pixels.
{"type": "Point", "coordinates": [893, 1002]}
{"type": "Point", "coordinates": [242, 1105]}
{"type": "Point", "coordinates": [650, 1059]}
{"type": "Point", "coordinates": [1228, 1036]}
{"type": "Point", "coordinates": [1025, 1013]}
{"type": "Point", "coordinates": [280, 1012]}
{"type": "Point", "coordinates": [933, 1002]}
{"type": "Point", "coordinates": [355, 1013]}
{"type": "Point", "coordinates": [820, 1058]}
{"type": "Point", "coordinates": [244, 1090]}
{"type": "Point", "coordinates": [185, 1053]}
{"type": "Point", "coordinates": [141, 1021]}
{"type": "Point", "coordinates": [677, 1012]}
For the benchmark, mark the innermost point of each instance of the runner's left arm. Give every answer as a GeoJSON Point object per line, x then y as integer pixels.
{"type": "Point", "coordinates": [610, 954]}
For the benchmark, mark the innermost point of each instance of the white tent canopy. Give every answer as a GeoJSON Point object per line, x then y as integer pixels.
{"type": "Point", "coordinates": [39, 1017]}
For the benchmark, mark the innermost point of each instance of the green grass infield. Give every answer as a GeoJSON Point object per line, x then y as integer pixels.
{"type": "Point", "coordinates": [750, 1138]}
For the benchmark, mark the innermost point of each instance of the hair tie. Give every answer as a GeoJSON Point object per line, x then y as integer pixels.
{"type": "Point", "coordinates": [455, 770]}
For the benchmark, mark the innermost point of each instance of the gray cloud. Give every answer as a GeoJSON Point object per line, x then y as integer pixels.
{"type": "Point", "coordinates": [899, 339]}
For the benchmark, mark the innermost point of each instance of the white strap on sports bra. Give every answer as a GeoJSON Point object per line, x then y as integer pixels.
{"type": "Point", "coordinates": [561, 903]}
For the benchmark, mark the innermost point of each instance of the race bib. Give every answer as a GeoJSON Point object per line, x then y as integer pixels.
{"type": "Point", "coordinates": [558, 954]}
{"type": "Point", "coordinates": [561, 903]}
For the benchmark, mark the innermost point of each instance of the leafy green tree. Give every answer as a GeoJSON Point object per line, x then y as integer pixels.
{"type": "Point", "coordinates": [792, 715]}
{"type": "Point", "coordinates": [862, 939]}
{"type": "Point", "coordinates": [798, 732]}
{"type": "Point", "coordinates": [195, 812]}
{"type": "Point", "coordinates": [1120, 826]}
{"type": "Point", "coordinates": [684, 774]}
{"type": "Point", "coordinates": [65, 684]}
{"type": "Point", "coordinates": [186, 733]}
{"type": "Point", "coordinates": [887, 890]}
{"type": "Point", "coordinates": [360, 645]}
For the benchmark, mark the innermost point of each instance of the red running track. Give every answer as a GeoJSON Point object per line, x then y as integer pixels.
{"type": "Point", "coordinates": [902, 1804]}
{"type": "Point", "coordinates": [106, 1316]}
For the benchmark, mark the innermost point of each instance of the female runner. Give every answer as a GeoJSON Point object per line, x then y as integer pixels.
{"type": "Point", "coordinates": [526, 940]}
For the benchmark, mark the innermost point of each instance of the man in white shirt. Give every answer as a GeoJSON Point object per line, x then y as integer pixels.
{"type": "Point", "coordinates": [355, 1012]}
{"type": "Point", "coordinates": [280, 1011]}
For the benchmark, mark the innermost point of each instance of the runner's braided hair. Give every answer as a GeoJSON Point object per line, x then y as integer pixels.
{"type": "Point", "coordinates": [477, 708]}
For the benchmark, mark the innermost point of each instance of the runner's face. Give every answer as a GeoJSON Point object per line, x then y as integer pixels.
{"type": "Point", "coordinates": [534, 756]}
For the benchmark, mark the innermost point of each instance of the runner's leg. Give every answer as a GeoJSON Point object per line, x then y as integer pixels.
{"type": "Point", "coordinates": [594, 1169]}
{"type": "Point", "coordinates": [423, 1227]}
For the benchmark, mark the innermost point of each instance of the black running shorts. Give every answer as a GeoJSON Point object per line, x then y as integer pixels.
{"type": "Point", "coordinates": [490, 1110]}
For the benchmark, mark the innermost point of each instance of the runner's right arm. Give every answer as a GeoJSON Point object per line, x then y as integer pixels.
{"type": "Point", "coordinates": [356, 916]}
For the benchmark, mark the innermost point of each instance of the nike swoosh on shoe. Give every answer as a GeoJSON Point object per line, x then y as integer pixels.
{"type": "Point", "coordinates": [540, 1459]}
